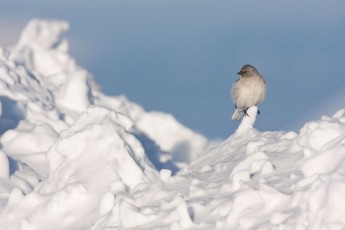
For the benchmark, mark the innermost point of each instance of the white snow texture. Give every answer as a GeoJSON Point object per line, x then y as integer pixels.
{"type": "Point", "coordinates": [73, 158]}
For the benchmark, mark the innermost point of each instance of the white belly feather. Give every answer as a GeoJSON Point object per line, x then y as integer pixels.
{"type": "Point", "coordinates": [248, 92]}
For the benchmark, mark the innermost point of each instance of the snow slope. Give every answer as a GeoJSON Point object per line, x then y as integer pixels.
{"type": "Point", "coordinates": [72, 157]}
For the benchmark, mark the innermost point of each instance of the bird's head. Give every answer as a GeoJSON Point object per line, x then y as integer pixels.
{"type": "Point", "coordinates": [248, 71]}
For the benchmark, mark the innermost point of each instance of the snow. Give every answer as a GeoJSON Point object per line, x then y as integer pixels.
{"type": "Point", "coordinates": [5, 166]}
{"type": "Point", "coordinates": [72, 157]}
{"type": "Point", "coordinates": [165, 130]}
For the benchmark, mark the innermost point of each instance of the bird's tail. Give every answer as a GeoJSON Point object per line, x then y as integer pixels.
{"type": "Point", "coordinates": [237, 115]}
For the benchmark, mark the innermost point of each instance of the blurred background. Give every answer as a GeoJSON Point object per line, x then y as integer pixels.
{"type": "Point", "coordinates": [182, 56]}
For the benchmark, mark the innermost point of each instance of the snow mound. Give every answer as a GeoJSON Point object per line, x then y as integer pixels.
{"type": "Point", "coordinates": [276, 180]}
{"type": "Point", "coordinates": [94, 160]}
{"type": "Point", "coordinates": [43, 91]}
{"type": "Point", "coordinates": [72, 157]}
{"type": "Point", "coordinates": [252, 180]}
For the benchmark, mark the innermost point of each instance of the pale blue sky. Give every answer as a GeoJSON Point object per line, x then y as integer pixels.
{"type": "Point", "coordinates": [182, 56]}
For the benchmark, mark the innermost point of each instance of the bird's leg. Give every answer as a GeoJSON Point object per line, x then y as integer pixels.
{"type": "Point", "coordinates": [245, 112]}
{"type": "Point", "coordinates": [259, 112]}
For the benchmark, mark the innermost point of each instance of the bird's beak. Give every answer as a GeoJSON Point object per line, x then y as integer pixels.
{"type": "Point", "coordinates": [240, 73]}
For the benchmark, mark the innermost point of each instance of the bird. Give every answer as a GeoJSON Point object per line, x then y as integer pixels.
{"type": "Point", "coordinates": [249, 90]}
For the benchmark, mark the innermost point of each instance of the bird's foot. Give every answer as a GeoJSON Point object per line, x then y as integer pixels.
{"type": "Point", "coordinates": [245, 112]}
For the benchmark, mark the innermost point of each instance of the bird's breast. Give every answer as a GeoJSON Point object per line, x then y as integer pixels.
{"type": "Point", "coordinates": [248, 92]}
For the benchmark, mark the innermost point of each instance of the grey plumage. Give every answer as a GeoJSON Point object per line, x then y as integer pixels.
{"type": "Point", "coordinates": [249, 90]}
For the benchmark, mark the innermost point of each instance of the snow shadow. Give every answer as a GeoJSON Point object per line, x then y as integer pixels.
{"type": "Point", "coordinates": [10, 117]}
{"type": "Point", "coordinates": [14, 165]}
{"type": "Point", "coordinates": [11, 114]}
{"type": "Point", "coordinates": [160, 159]}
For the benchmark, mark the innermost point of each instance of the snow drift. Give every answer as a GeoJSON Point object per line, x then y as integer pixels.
{"type": "Point", "coordinates": [72, 157]}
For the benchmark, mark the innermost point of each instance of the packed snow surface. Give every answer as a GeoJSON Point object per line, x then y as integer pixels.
{"type": "Point", "coordinates": [74, 158]}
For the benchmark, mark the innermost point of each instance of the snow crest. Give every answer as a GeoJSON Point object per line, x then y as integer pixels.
{"type": "Point", "coordinates": [72, 157]}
